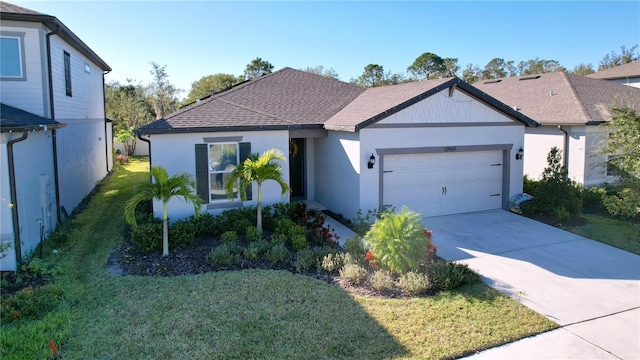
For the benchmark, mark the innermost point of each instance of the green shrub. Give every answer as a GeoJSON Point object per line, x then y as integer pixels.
{"type": "Point", "coordinates": [241, 226]}
{"type": "Point", "coordinates": [398, 241]}
{"type": "Point", "coordinates": [380, 280]}
{"type": "Point", "coordinates": [299, 242]}
{"type": "Point", "coordinates": [355, 274]}
{"type": "Point", "coordinates": [278, 254]}
{"type": "Point", "coordinates": [237, 219]}
{"type": "Point", "coordinates": [30, 303]}
{"type": "Point", "coordinates": [354, 246]}
{"type": "Point", "coordinates": [225, 255]}
{"type": "Point", "coordinates": [311, 258]}
{"type": "Point", "coordinates": [256, 249]}
{"type": "Point", "coordinates": [592, 199]}
{"type": "Point", "coordinates": [450, 275]}
{"type": "Point", "coordinates": [362, 223]}
{"type": "Point", "coordinates": [252, 234]}
{"type": "Point", "coordinates": [205, 225]}
{"type": "Point", "coordinates": [332, 263]}
{"type": "Point", "coordinates": [182, 232]}
{"type": "Point", "coordinates": [147, 236]}
{"type": "Point", "coordinates": [625, 203]}
{"type": "Point", "coordinates": [415, 283]}
{"type": "Point", "coordinates": [561, 214]}
{"type": "Point", "coordinates": [229, 237]}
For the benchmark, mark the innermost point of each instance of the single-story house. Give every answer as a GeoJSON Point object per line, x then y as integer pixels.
{"type": "Point", "coordinates": [626, 74]}
{"type": "Point", "coordinates": [54, 136]}
{"type": "Point", "coordinates": [438, 146]}
{"type": "Point", "coordinates": [569, 109]}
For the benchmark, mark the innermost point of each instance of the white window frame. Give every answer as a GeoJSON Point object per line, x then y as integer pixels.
{"type": "Point", "coordinates": [21, 60]}
{"type": "Point", "coordinates": [214, 172]}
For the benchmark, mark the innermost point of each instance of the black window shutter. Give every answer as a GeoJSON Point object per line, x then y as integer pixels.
{"type": "Point", "coordinates": [202, 172]}
{"type": "Point", "coordinates": [245, 151]}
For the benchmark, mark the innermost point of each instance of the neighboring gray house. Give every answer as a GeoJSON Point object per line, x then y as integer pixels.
{"type": "Point", "coordinates": [54, 137]}
{"type": "Point", "coordinates": [626, 74]}
{"type": "Point", "coordinates": [569, 109]}
{"type": "Point", "coordinates": [439, 146]}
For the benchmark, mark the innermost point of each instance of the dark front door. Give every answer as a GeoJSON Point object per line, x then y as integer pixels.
{"type": "Point", "coordinates": [296, 169]}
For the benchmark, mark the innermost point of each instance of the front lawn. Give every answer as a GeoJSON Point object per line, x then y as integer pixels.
{"type": "Point", "coordinates": [623, 234]}
{"type": "Point", "coordinates": [241, 314]}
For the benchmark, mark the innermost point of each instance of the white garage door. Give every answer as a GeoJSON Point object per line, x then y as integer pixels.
{"type": "Point", "coordinates": [444, 183]}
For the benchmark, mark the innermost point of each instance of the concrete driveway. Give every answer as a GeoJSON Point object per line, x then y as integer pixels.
{"type": "Point", "coordinates": [590, 289]}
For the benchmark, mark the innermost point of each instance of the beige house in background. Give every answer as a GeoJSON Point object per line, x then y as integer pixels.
{"type": "Point", "coordinates": [569, 109]}
{"type": "Point", "coordinates": [627, 74]}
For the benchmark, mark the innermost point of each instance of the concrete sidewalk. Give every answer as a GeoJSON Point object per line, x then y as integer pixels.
{"type": "Point", "coordinates": [592, 290]}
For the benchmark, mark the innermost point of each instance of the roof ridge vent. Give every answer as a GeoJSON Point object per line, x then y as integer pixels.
{"type": "Point", "coordinates": [492, 81]}
{"type": "Point", "coordinates": [530, 77]}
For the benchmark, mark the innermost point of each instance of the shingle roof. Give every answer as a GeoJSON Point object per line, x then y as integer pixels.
{"type": "Point", "coordinates": [560, 98]}
{"type": "Point", "coordinates": [287, 98]}
{"type": "Point", "coordinates": [17, 13]}
{"type": "Point", "coordinates": [379, 102]}
{"type": "Point", "coordinates": [629, 70]}
{"type": "Point", "coordinates": [15, 119]}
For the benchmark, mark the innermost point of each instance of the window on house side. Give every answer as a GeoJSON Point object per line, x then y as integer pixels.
{"type": "Point", "coordinates": [67, 73]}
{"type": "Point", "coordinates": [223, 159]}
{"type": "Point", "coordinates": [11, 57]}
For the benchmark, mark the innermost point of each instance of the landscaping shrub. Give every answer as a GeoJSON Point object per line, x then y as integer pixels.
{"type": "Point", "coordinates": [332, 263]}
{"type": "Point", "coordinates": [182, 232]}
{"type": "Point", "coordinates": [381, 281]}
{"type": "Point", "coordinates": [450, 275]}
{"type": "Point", "coordinates": [241, 226]}
{"type": "Point", "coordinates": [205, 224]}
{"type": "Point", "coordinates": [592, 199]}
{"type": "Point", "coordinates": [225, 254]}
{"type": "Point", "coordinates": [299, 242]}
{"type": "Point", "coordinates": [398, 241]}
{"type": "Point", "coordinates": [252, 234]}
{"type": "Point", "coordinates": [30, 303]}
{"type": "Point", "coordinates": [311, 258]}
{"type": "Point", "coordinates": [256, 249]}
{"type": "Point", "coordinates": [624, 203]}
{"type": "Point", "coordinates": [237, 219]}
{"type": "Point", "coordinates": [415, 283]}
{"type": "Point", "coordinates": [362, 223]}
{"type": "Point", "coordinates": [290, 233]}
{"type": "Point", "coordinates": [278, 254]}
{"type": "Point", "coordinates": [354, 273]}
{"type": "Point", "coordinates": [229, 237]}
{"type": "Point", "coordinates": [147, 236]}
{"type": "Point", "coordinates": [354, 246]}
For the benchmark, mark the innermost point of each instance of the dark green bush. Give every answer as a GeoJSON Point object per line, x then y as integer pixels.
{"type": "Point", "coordinates": [290, 233]}
{"type": "Point", "coordinates": [147, 236]}
{"type": "Point", "coordinates": [592, 199]}
{"type": "Point", "coordinates": [205, 225]}
{"type": "Point", "coordinates": [182, 232]}
{"type": "Point", "coordinates": [311, 258]}
{"type": "Point", "coordinates": [278, 254]}
{"type": "Point", "coordinates": [450, 275]}
{"type": "Point", "coordinates": [229, 237]}
{"type": "Point", "coordinates": [252, 234]}
{"type": "Point", "coordinates": [256, 249]}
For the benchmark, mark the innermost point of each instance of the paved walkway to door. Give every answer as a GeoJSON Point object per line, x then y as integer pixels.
{"type": "Point", "coordinates": [590, 289]}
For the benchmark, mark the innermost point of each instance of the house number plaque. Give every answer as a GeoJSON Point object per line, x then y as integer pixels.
{"type": "Point", "coordinates": [449, 148]}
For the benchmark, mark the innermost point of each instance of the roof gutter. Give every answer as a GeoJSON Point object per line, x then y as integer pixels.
{"type": "Point", "coordinates": [565, 163]}
{"type": "Point", "coordinates": [14, 196]}
{"type": "Point", "coordinates": [52, 114]}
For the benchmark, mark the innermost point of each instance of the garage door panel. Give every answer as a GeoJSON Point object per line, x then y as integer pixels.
{"type": "Point", "coordinates": [444, 183]}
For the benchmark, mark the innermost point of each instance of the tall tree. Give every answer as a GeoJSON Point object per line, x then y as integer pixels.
{"type": "Point", "coordinates": [539, 66]}
{"type": "Point", "coordinates": [451, 67]}
{"type": "Point", "coordinates": [320, 70]}
{"type": "Point", "coordinates": [495, 69]}
{"type": "Point", "coordinates": [624, 57]}
{"type": "Point", "coordinates": [257, 67]}
{"type": "Point", "coordinates": [372, 76]}
{"type": "Point", "coordinates": [583, 69]}
{"type": "Point", "coordinates": [163, 188]}
{"type": "Point", "coordinates": [471, 73]}
{"type": "Point", "coordinates": [257, 168]}
{"type": "Point", "coordinates": [130, 108]}
{"type": "Point", "coordinates": [210, 84]}
{"type": "Point", "coordinates": [164, 96]}
{"type": "Point", "coordinates": [427, 65]}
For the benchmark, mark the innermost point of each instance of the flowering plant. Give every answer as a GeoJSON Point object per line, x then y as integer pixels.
{"type": "Point", "coordinates": [432, 250]}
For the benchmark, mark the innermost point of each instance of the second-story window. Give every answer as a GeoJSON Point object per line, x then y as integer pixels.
{"type": "Point", "coordinates": [67, 73]}
{"type": "Point", "coordinates": [11, 57]}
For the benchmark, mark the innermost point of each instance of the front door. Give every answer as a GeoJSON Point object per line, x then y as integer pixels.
{"type": "Point", "coordinates": [296, 169]}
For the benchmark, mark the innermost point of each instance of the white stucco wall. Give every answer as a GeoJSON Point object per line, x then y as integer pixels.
{"type": "Point", "coordinates": [142, 148]}
{"type": "Point", "coordinates": [176, 153]}
{"type": "Point", "coordinates": [35, 192]}
{"type": "Point", "coordinates": [337, 169]}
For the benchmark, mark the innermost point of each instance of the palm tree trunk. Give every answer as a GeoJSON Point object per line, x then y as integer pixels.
{"type": "Point", "coordinates": [259, 219]}
{"type": "Point", "coordinates": [165, 231]}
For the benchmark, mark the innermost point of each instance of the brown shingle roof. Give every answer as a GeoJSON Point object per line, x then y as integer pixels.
{"type": "Point", "coordinates": [15, 119]}
{"type": "Point", "coordinates": [560, 98]}
{"type": "Point", "coordinates": [287, 98]}
{"type": "Point", "coordinates": [17, 13]}
{"type": "Point", "coordinates": [629, 70]}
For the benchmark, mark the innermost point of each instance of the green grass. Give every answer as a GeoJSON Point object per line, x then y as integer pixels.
{"type": "Point", "coordinates": [623, 234]}
{"type": "Point", "coordinates": [250, 314]}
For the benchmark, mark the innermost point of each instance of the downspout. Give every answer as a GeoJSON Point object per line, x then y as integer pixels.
{"type": "Point", "coordinates": [14, 196]}
{"type": "Point", "coordinates": [53, 117]}
{"type": "Point", "coordinates": [104, 107]}
{"type": "Point", "coordinates": [565, 163]}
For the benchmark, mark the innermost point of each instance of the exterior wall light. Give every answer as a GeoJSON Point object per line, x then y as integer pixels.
{"type": "Point", "coordinates": [520, 154]}
{"type": "Point", "coordinates": [372, 161]}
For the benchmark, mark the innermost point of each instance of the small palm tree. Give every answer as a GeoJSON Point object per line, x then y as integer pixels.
{"type": "Point", "coordinates": [163, 188]}
{"type": "Point", "coordinates": [258, 168]}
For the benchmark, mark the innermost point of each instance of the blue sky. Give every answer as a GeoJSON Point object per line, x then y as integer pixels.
{"type": "Point", "coordinates": [199, 38]}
